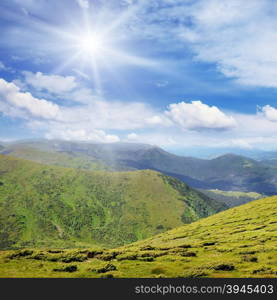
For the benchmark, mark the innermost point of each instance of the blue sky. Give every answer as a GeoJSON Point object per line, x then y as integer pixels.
{"type": "Point", "coordinates": [180, 74]}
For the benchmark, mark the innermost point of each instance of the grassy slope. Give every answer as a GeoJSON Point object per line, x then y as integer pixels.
{"type": "Point", "coordinates": [232, 198]}
{"type": "Point", "coordinates": [47, 206]}
{"type": "Point", "coordinates": [55, 158]}
{"type": "Point", "coordinates": [239, 242]}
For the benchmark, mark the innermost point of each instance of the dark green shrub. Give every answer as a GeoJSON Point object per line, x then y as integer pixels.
{"type": "Point", "coordinates": [108, 256]}
{"type": "Point", "coordinates": [158, 270]}
{"type": "Point", "coordinates": [185, 246]}
{"type": "Point", "coordinates": [188, 254]}
{"type": "Point", "coordinates": [248, 258]}
{"type": "Point", "coordinates": [92, 254]}
{"type": "Point", "coordinates": [148, 247]}
{"type": "Point", "coordinates": [208, 244]}
{"type": "Point", "coordinates": [147, 259]}
{"type": "Point", "coordinates": [107, 268]}
{"type": "Point", "coordinates": [23, 253]}
{"type": "Point", "coordinates": [224, 267]}
{"type": "Point", "coordinates": [55, 251]}
{"type": "Point", "coordinates": [107, 276]}
{"type": "Point", "coordinates": [69, 269]}
{"type": "Point", "coordinates": [127, 257]}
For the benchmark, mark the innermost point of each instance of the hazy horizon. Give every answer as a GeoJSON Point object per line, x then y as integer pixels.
{"type": "Point", "coordinates": [197, 152]}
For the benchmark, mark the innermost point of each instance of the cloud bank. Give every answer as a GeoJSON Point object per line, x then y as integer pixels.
{"type": "Point", "coordinates": [52, 83]}
{"type": "Point", "coordinates": [186, 123]}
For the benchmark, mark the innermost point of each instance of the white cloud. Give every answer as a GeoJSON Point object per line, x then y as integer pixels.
{"type": "Point", "coordinates": [25, 11]}
{"type": "Point", "coordinates": [238, 37]}
{"type": "Point", "coordinates": [118, 115]}
{"type": "Point", "coordinates": [52, 83]}
{"type": "Point", "coordinates": [2, 66]}
{"type": "Point", "coordinates": [258, 142]}
{"type": "Point", "coordinates": [127, 2]}
{"type": "Point", "coordinates": [162, 83]}
{"type": "Point", "coordinates": [81, 94]}
{"type": "Point", "coordinates": [92, 111]}
{"type": "Point", "coordinates": [29, 105]}
{"type": "Point", "coordinates": [256, 125]}
{"type": "Point", "coordinates": [81, 74]}
{"type": "Point", "coordinates": [270, 113]}
{"type": "Point", "coordinates": [83, 3]}
{"type": "Point", "coordinates": [84, 121]}
{"type": "Point", "coordinates": [197, 115]}
{"type": "Point", "coordinates": [181, 124]}
{"type": "Point", "coordinates": [158, 138]}
{"type": "Point", "coordinates": [245, 139]}
{"type": "Point", "coordinates": [82, 135]}
{"type": "Point", "coordinates": [157, 120]}
{"type": "Point", "coordinates": [240, 143]}
{"type": "Point", "coordinates": [132, 137]}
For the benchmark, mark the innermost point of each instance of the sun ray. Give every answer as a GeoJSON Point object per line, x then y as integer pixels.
{"type": "Point", "coordinates": [97, 45]}
{"type": "Point", "coordinates": [123, 18]}
{"type": "Point", "coordinates": [132, 59]}
{"type": "Point", "coordinates": [67, 63]}
{"type": "Point", "coordinates": [96, 77]}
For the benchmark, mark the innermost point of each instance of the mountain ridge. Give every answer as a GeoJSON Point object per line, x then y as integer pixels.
{"type": "Point", "coordinates": [44, 205]}
{"type": "Point", "coordinates": [229, 172]}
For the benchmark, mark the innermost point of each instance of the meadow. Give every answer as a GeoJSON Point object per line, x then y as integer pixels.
{"type": "Point", "coordinates": [238, 242]}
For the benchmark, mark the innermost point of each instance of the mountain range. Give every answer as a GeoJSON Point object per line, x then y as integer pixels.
{"type": "Point", "coordinates": [228, 172]}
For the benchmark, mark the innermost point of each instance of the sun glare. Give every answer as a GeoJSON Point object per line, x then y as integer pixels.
{"type": "Point", "coordinates": [91, 44]}
{"type": "Point", "coordinates": [96, 46]}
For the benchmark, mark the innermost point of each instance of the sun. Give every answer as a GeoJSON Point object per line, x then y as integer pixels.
{"type": "Point", "coordinates": [96, 47]}
{"type": "Point", "coordinates": [91, 44]}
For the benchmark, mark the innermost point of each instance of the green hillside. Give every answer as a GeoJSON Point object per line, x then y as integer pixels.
{"type": "Point", "coordinates": [239, 242]}
{"type": "Point", "coordinates": [47, 206]}
{"type": "Point", "coordinates": [55, 158]}
{"type": "Point", "coordinates": [232, 198]}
